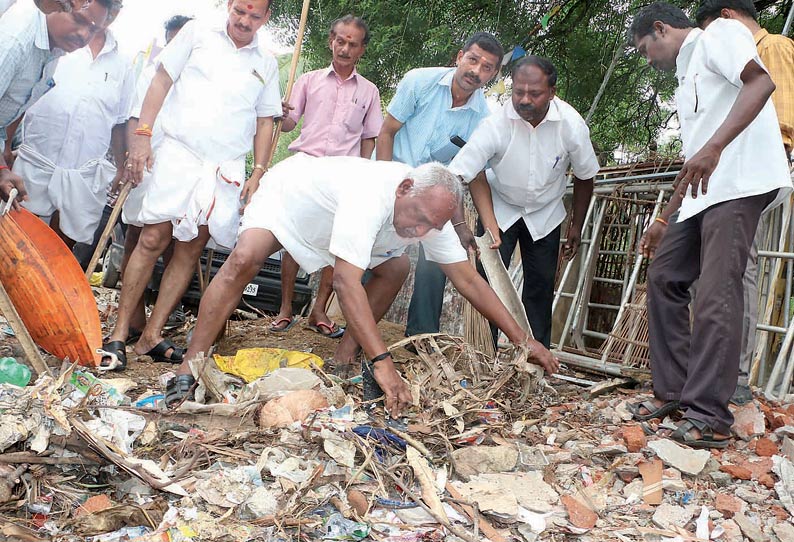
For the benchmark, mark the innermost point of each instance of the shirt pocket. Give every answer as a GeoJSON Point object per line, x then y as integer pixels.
{"type": "Point", "coordinates": [354, 120]}
{"type": "Point", "coordinates": [688, 98]}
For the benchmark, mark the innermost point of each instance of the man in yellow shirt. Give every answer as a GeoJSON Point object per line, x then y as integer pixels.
{"type": "Point", "coordinates": [777, 54]}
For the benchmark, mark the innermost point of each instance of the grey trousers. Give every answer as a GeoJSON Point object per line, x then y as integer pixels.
{"type": "Point", "coordinates": [700, 366]}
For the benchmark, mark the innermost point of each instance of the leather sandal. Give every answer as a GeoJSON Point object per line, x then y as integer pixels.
{"type": "Point", "coordinates": [160, 352]}
{"type": "Point", "coordinates": [179, 389]}
{"type": "Point", "coordinates": [683, 435]}
{"type": "Point", "coordinates": [653, 411]}
{"type": "Point", "coordinates": [114, 356]}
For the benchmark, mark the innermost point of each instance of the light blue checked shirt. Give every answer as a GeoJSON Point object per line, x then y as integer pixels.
{"type": "Point", "coordinates": [423, 103]}
{"type": "Point", "coordinates": [26, 62]}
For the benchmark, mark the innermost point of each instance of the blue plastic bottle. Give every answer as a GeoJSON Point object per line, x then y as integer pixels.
{"type": "Point", "coordinates": [12, 372]}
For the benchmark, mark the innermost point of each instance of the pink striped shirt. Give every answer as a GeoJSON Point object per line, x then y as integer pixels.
{"type": "Point", "coordinates": [337, 114]}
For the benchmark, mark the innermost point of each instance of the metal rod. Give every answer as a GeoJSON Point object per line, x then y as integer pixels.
{"type": "Point", "coordinates": [782, 358]}
{"type": "Point", "coordinates": [569, 263]}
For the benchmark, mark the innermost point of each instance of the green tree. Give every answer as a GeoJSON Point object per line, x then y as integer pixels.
{"type": "Point", "coordinates": [580, 36]}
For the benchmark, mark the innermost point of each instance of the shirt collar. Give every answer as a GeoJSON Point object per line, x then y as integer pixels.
{"type": "Point", "coordinates": [220, 27]}
{"type": "Point", "coordinates": [552, 115]}
{"type": "Point", "coordinates": [42, 38]}
{"type": "Point", "coordinates": [685, 52]}
{"type": "Point", "coordinates": [476, 101]}
{"type": "Point", "coordinates": [761, 34]}
{"type": "Point", "coordinates": [111, 45]}
{"type": "Point", "coordinates": [330, 70]}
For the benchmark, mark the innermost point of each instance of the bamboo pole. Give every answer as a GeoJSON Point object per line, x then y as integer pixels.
{"type": "Point", "coordinates": [292, 69]}
{"type": "Point", "coordinates": [25, 340]}
{"type": "Point", "coordinates": [114, 216]}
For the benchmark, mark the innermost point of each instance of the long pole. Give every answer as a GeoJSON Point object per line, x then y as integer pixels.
{"type": "Point", "coordinates": [292, 69]}
{"type": "Point", "coordinates": [114, 216]}
{"type": "Point", "coordinates": [787, 26]}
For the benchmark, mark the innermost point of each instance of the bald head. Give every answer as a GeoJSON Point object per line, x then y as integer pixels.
{"type": "Point", "coordinates": [426, 200]}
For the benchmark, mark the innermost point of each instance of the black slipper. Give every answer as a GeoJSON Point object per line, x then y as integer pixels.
{"type": "Point", "coordinates": [116, 353]}
{"type": "Point", "coordinates": [158, 353]}
{"type": "Point", "coordinates": [653, 410]}
{"type": "Point", "coordinates": [178, 389]}
{"type": "Point", "coordinates": [682, 435]}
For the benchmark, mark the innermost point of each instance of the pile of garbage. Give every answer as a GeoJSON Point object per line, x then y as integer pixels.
{"type": "Point", "coordinates": [276, 449]}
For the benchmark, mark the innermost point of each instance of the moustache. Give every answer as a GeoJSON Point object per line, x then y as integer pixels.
{"type": "Point", "coordinates": [473, 77]}
{"type": "Point", "coordinates": [242, 28]}
{"type": "Point", "coordinates": [526, 108]}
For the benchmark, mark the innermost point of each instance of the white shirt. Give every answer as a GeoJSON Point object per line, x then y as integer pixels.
{"type": "Point", "coordinates": [5, 4]}
{"type": "Point", "coordinates": [323, 208]}
{"type": "Point", "coordinates": [218, 92]}
{"type": "Point", "coordinates": [709, 67]}
{"type": "Point", "coordinates": [72, 123]}
{"type": "Point", "coordinates": [529, 163]}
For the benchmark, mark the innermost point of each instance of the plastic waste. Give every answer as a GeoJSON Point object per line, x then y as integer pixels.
{"type": "Point", "coordinates": [13, 372]}
{"type": "Point", "coordinates": [339, 528]}
{"type": "Point", "coordinates": [252, 363]}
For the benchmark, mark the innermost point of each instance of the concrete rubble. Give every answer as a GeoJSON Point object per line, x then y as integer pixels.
{"type": "Point", "coordinates": [477, 458]}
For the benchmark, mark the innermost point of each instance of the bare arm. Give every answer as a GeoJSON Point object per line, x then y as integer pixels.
{"type": "Point", "coordinates": [483, 201]}
{"type": "Point", "coordinates": [582, 192]}
{"type": "Point", "coordinates": [8, 179]}
{"type": "Point", "coordinates": [118, 144]}
{"type": "Point", "coordinates": [474, 288]}
{"type": "Point", "coordinates": [141, 145]}
{"type": "Point", "coordinates": [361, 323]}
{"type": "Point", "coordinates": [367, 146]}
{"type": "Point", "coordinates": [263, 141]}
{"type": "Point", "coordinates": [287, 124]}
{"type": "Point", "coordinates": [385, 145]}
{"type": "Point", "coordinates": [756, 89]}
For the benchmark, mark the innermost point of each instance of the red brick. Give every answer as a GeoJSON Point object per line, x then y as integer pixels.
{"type": "Point", "coordinates": [767, 480]}
{"type": "Point", "coordinates": [737, 472]}
{"type": "Point", "coordinates": [727, 505]}
{"type": "Point", "coordinates": [779, 512]}
{"type": "Point", "coordinates": [578, 514]}
{"type": "Point", "coordinates": [634, 437]}
{"type": "Point", "coordinates": [766, 448]}
{"type": "Point", "coordinates": [97, 503]}
{"type": "Point", "coordinates": [758, 468]}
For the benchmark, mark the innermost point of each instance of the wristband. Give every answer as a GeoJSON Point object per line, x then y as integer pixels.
{"type": "Point", "coordinates": [380, 357]}
{"type": "Point", "coordinates": [259, 166]}
{"type": "Point", "coordinates": [142, 132]}
{"type": "Point", "coordinates": [662, 220]}
{"type": "Point", "coordinates": [2, 167]}
{"type": "Point", "coordinates": [459, 224]}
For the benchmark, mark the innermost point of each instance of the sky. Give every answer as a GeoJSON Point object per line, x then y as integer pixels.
{"type": "Point", "coordinates": [140, 21]}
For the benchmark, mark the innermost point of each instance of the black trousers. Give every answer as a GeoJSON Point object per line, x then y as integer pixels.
{"type": "Point", "coordinates": [539, 263]}
{"type": "Point", "coordinates": [699, 365]}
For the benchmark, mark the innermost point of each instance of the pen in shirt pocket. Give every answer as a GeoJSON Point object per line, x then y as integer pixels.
{"type": "Point", "coordinates": [556, 161]}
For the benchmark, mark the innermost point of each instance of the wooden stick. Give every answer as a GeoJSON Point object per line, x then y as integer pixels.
{"type": "Point", "coordinates": [292, 69]}
{"type": "Point", "coordinates": [114, 216]}
{"type": "Point", "coordinates": [23, 335]}
{"type": "Point", "coordinates": [485, 525]}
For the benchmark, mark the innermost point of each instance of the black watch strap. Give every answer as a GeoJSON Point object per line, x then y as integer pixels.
{"type": "Point", "coordinates": [381, 357]}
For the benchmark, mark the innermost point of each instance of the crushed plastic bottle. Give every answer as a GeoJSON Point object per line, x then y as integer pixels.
{"type": "Point", "coordinates": [13, 372]}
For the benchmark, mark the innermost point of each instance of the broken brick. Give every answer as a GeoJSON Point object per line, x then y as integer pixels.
{"type": "Point", "coordinates": [766, 448]}
{"type": "Point", "coordinates": [634, 437]}
{"type": "Point", "coordinates": [727, 505]}
{"type": "Point", "coordinates": [767, 480]}
{"type": "Point", "coordinates": [737, 472]}
{"type": "Point", "coordinates": [97, 503]}
{"type": "Point", "coordinates": [578, 514]}
{"type": "Point", "coordinates": [779, 512]}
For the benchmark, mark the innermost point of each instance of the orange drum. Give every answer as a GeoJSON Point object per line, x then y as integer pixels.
{"type": "Point", "coordinates": [49, 289]}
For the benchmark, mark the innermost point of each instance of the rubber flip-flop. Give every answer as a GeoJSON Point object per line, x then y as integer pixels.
{"type": "Point", "coordinates": [160, 352]}
{"type": "Point", "coordinates": [274, 326]}
{"type": "Point", "coordinates": [116, 354]}
{"type": "Point", "coordinates": [333, 331]}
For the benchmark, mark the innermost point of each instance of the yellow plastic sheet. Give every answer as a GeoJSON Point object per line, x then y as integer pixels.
{"type": "Point", "coordinates": [252, 363]}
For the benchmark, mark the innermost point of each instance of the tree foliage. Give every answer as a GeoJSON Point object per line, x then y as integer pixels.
{"type": "Point", "coordinates": [580, 36]}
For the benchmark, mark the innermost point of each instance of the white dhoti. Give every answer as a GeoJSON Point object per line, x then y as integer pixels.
{"type": "Point", "coordinates": [189, 192]}
{"type": "Point", "coordinates": [78, 194]}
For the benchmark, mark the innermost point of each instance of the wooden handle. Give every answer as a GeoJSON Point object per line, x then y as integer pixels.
{"type": "Point", "coordinates": [114, 216]}
{"type": "Point", "coordinates": [291, 80]}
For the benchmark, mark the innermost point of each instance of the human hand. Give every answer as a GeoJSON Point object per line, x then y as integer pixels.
{"type": "Point", "coordinates": [8, 156]}
{"type": "Point", "coordinates": [466, 236]}
{"type": "Point", "coordinates": [140, 158]}
{"type": "Point", "coordinates": [285, 109]}
{"type": "Point", "coordinates": [540, 355]}
{"type": "Point", "coordinates": [250, 186]}
{"type": "Point", "coordinates": [697, 171]}
{"type": "Point", "coordinates": [572, 242]}
{"type": "Point", "coordinates": [651, 238]}
{"type": "Point", "coordinates": [8, 181]}
{"type": "Point", "coordinates": [395, 390]}
{"type": "Point", "coordinates": [496, 237]}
